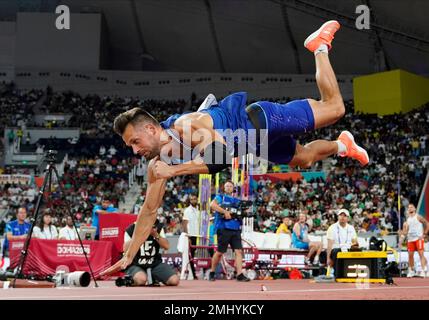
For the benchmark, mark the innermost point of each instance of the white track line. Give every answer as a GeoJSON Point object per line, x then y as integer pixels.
{"type": "Point", "coordinates": [205, 293]}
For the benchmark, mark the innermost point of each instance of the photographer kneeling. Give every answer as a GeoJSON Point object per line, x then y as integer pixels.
{"type": "Point", "coordinates": [150, 257]}
{"type": "Point", "coordinates": [228, 229]}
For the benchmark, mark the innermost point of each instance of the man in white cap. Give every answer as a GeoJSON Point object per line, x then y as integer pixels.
{"type": "Point", "coordinates": [341, 236]}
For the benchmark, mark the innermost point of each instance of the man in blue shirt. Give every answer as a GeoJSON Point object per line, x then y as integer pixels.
{"type": "Point", "coordinates": [17, 229]}
{"type": "Point", "coordinates": [228, 231]}
{"type": "Point", "coordinates": [105, 207]}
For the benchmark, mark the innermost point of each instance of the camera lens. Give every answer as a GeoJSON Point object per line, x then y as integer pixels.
{"type": "Point", "coordinates": [126, 281]}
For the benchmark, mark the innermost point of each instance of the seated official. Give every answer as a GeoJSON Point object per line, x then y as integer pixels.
{"type": "Point", "coordinates": [45, 229]}
{"type": "Point", "coordinates": [300, 240]}
{"type": "Point", "coordinates": [69, 231]}
{"type": "Point", "coordinates": [149, 257]}
{"type": "Point", "coordinates": [228, 231]}
{"type": "Point", "coordinates": [341, 237]}
{"type": "Point", "coordinates": [16, 230]}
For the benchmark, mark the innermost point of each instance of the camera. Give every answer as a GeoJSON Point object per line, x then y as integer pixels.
{"type": "Point", "coordinates": [125, 281]}
{"type": "Point", "coordinates": [72, 279]}
{"type": "Point", "coordinates": [51, 155]}
{"type": "Point", "coordinates": [391, 270]}
{"type": "Point", "coordinates": [377, 244]}
{"type": "Point", "coordinates": [239, 210]}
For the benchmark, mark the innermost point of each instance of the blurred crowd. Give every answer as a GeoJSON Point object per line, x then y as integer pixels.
{"type": "Point", "coordinates": [85, 182]}
{"type": "Point", "coordinates": [94, 114]}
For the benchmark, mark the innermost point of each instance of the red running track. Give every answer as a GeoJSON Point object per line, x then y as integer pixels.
{"type": "Point", "coordinates": [415, 288]}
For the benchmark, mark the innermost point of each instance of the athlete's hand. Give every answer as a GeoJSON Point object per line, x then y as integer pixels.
{"type": "Point", "coordinates": [120, 265]}
{"type": "Point", "coordinates": [162, 170]}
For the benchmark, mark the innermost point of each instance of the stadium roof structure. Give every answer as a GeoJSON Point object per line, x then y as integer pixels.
{"type": "Point", "coordinates": [251, 36]}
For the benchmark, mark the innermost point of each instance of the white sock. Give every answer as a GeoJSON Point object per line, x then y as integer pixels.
{"type": "Point", "coordinates": [322, 48]}
{"type": "Point", "coordinates": [341, 147]}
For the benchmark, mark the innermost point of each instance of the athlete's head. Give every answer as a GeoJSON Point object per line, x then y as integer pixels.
{"type": "Point", "coordinates": [302, 218]}
{"type": "Point", "coordinates": [411, 209]}
{"type": "Point", "coordinates": [228, 187]}
{"type": "Point", "coordinates": [140, 131]}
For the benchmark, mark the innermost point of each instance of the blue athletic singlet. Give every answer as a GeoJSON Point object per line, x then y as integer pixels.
{"type": "Point", "coordinates": [297, 241]}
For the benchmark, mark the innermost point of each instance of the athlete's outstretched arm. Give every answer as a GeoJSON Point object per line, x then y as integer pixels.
{"type": "Point", "coordinates": [145, 220]}
{"type": "Point", "coordinates": [166, 171]}
{"type": "Point", "coordinates": [147, 216]}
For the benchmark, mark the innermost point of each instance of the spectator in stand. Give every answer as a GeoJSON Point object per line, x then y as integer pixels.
{"type": "Point", "coordinates": [45, 229]}
{"type": "Point", "coordinates": [105, 207]}
{"type": "Point", "coordinates": [16, 230]}
{"type": "Point", "coordinates": [300, 240]}
{"type": "Point", "coordinates": [112, 151]}
{"type": "Point", "coordinates": [283, 227]}
{"type": "Point", "coordinates": [102, 151]}
{"type": "Point", "coordinates": [69, 231]}
{"type": "Point", "coordinates": [365, 225]}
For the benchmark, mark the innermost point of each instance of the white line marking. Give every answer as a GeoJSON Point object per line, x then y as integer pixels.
{"type": "Point", "coordinates": [204, 293]}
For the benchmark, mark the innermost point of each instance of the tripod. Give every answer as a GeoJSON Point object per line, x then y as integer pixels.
{"type": "Point", "coordinates": [50, 168]}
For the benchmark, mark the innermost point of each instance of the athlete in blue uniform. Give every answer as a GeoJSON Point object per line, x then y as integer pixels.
{"type": "Point", "coordinates": [193, 140]}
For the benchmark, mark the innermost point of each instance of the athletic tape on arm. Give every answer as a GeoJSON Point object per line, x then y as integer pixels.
{"type": "Point", "coordinates": [215, 156]}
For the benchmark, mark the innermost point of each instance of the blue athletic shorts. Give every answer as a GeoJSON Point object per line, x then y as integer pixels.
{"type": "Point", "coordinates": [283, 121]}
